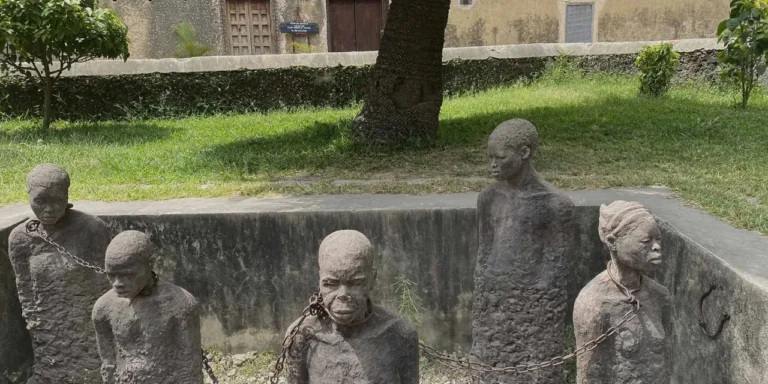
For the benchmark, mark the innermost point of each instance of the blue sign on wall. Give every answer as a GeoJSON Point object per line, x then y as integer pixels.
{"type": "Point", "coordinates": [299, 28]}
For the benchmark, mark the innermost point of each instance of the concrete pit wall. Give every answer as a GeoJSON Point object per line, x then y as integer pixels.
{"type": "Point", "coordinates": [252, 265]}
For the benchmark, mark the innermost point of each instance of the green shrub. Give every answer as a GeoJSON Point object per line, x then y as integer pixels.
{"type": "Point", "coordinates": [41, 39]}
{"type": "Point", "coordinates": [657, 64]}
{"type": "Point", "coordinates": [188, 44]}
{"type": "Point", "coordinates": [565, 67]}
{"type": "Point", "coordinates": [745, 35]}
{"type": "Point", "coordinates": [301, 47]}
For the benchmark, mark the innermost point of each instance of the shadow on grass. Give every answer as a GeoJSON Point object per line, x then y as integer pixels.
{"type": "Point", "coordinates": [310, 148]}
{"type": "Point", "coordinates": [597, 133]}
{"type": "Point", "coordinates": [81, 133]}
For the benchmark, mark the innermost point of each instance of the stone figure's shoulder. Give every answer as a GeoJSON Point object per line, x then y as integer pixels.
{"type": "Point", "coordinates": [592, 294]}
{"type": "Point", "coordinates": [552, 198]}
{"type": "Point", "coordinates": [310, 324]}
{"type": "Point", "coordinates": [488, 193]}
{"type": "Point", "coordinates": [104, 305]}
{"type": "Point", "coordinates": [19, 239]}
{"type": "Point", "coordinates": [656, 289]}
{"type": "Point", "coordinates": [179, 297]}
{"type": "Point", "coordinates": [396, 324]}
{"type": "Point", "coordinates": [88, 222]}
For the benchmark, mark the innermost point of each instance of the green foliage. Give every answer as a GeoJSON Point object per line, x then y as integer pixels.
{"type": "Point", "coordinates": [161, 95]}
{"type": "Point", "coordinates": [745, 35]}
{"type": "Point", "coordinates": [301, 47]}
{"type": "Point", "coordinates": [564, 68]}
{"type": "Point", "coordinates": [188, 44]}
{"type": "Point", "coordinates": [657, 64]}
{"type": "Point", "coordinates": [408, 302]}
{"type": "Point", "coordinates": [43, 38]}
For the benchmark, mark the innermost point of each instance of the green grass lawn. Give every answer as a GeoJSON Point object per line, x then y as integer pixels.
{"type": "Point", "coordinates": [596, 132]}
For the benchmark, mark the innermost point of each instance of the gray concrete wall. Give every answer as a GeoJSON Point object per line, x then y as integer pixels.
{"type": "Point", "coordinates": [252, 265]}
{"type": "Point", "coordinates": [318, 60]}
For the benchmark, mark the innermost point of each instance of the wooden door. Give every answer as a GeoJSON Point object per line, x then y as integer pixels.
{"type": "Point", "coordinates": [249, 27]}
{"type": "Point", "coordinates": [356, 25]}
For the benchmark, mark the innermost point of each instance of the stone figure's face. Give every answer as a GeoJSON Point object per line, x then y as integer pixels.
{"type": "Point", "coordinates": [640, 247]}
{"type": "Point", "coordinates": [506, 162]}
{"type": "Point", "coordinates": [345, 284]}
{"type": "Point", "coordinates": [48, 203]}
{"type": "Point", "coordinates": [128, 276]}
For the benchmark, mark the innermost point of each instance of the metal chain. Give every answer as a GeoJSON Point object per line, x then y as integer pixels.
{"type": "Point", "coordinates": [208, 369]}
{"type": "Point", "coordinates": [315, 308]}
{"type": "Point", "coordinates": [465, 364]}
{"type": "Point", "coordinates": [34, 226]}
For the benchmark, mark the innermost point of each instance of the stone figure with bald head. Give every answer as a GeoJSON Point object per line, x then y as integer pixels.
{"type": "Point", "coordinates": [359, 342]}
{"type": "Point", "coordinates": [526, 242]}
{"type": "Point", "coordinates": [55, 292]}
{"type": "Point", "coordinates": [639, 352]}
{"type": "Point", "coordinates": [148, 330]}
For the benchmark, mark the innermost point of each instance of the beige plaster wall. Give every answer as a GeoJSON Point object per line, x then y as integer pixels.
{"type": "Point", "coordinates": [150, 24]}
{"type": "Point", "coordinates": [308, 11]}
{"type": "Point", "coordinates": [634, 20]}
{"type": "Point", "coordinates": [501, 22]}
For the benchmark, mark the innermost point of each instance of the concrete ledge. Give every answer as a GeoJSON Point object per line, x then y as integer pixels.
{"type": "Point", "coordinates": [320, 60]}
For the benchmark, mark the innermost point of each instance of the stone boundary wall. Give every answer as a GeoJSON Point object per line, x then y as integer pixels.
{"type": "Point", "coordinates": [252, 265]}
{"type": "Point", "coordinates": [171, 88]}
{"type": "Point", "coordinates": [355, 59]}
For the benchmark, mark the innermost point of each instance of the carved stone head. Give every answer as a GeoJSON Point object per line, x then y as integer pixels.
{"type": "Point", "coordinates": [631, 234]}
{"type": "Point", "coordinates": [48, 190]}
{"type": "Point", "coordinates": [511, 147]}
{"type": "Point", "coordinates": [347, 275]}
{"type": "Point", "coordinates": [129, 263]}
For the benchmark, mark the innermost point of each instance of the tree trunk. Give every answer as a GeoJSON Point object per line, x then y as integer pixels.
{"type": "Point", "coordinates": [406, 92]}
{"type": "Point", "coordinates": [48, 92]}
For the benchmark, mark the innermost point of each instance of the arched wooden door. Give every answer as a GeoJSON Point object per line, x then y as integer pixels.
{"type": "Point", "coordinates": [356, 25]}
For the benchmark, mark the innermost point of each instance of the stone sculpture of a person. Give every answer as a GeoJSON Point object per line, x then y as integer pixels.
{"type": "Point", "coordinates": [359, 342]}
{"type": "Point", "coordinates": [526, 237]}
{"type": "Point", "coordinates": [639, 352]}
{"type": "Point", "coordinates": [55, 292]}
{"type": "Point", "coordinates": [148, 331]}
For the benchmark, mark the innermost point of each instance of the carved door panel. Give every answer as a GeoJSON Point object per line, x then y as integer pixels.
{"type": "Point", "coordinates": [249, 27]}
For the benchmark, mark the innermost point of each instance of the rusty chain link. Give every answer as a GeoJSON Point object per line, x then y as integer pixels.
{"type": "Point", "coordinates": [465, 364]}
{"type": "Point", "coordinates": [315, 308]}
{"type": "Point", "coordinates": [208, 369]}
{"type": "Point", "coordinates": [34, 226]}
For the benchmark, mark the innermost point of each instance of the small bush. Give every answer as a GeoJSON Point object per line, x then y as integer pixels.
{"type": "Point", "coordinates": [564, 67]}
{"type": "Point", "coordinates": [657, 64]}
{"type": "Point", "coordinates": [188, 44]}
{"type": "Point", "coordinates": [745, 35]}
{"type": "Point", "coordinates": [302, 47]}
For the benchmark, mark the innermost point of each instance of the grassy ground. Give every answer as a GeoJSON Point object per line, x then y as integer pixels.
{"type": "Point", "coordinates": [596, 132]}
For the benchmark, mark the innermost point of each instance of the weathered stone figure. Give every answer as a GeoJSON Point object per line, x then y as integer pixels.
{"type": "Point", "coordinates": [148, 331]}
{"type": "Point", "coordinates": [359, 342]}
{"type": "Point", "coordinates": [526, 235]}
{"type": "Point", "coordinates": [639, 352]}
{"type": "Point", "coordinates": [57, 294]}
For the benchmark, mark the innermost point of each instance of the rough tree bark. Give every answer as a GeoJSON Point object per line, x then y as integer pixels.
{"type": "Point", "coordinates": [406, 92]}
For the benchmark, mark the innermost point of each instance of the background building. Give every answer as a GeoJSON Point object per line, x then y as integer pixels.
{"type": "Point", "coordinates": [252, 27]}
